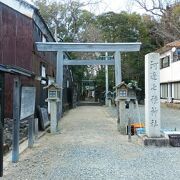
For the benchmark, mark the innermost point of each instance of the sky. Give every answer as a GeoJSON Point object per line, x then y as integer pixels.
{"type": "Point", "coordinates": [116, 6]}
{"type": "Point", "coordinates": [112, 5]}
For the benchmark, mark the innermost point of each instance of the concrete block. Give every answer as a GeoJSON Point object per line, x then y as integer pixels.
{"type": "Point", "coordinates": [159, 142]}
{"type": "Point", "coordinates": [167, 133]}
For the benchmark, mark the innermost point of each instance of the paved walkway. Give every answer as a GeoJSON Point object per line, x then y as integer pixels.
{"type": "Point", "coordinates": [90, 147]}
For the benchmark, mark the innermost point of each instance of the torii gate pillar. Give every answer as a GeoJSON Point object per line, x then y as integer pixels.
{"type": "Point", "coordinates": [59, 79]}
{"type": "Point", "coordinates": [118, 79]}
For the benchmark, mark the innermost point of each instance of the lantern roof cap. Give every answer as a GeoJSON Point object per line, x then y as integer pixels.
{"type": "Point", "coordinates": [55, 85]}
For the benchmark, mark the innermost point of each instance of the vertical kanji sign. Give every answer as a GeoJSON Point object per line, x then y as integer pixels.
{"type": "Point", "coordinates": [152, 95]}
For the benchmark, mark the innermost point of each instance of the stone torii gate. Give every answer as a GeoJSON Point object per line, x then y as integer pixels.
{"type": "Point", "coordinates": [60, 48]}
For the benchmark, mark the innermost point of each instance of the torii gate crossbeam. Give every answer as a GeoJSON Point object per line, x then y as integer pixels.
{"type": "Point", "coordinates": [88, 47]}
{"type": "Point", "coordinates": [61, 47]}
{"type": "Point", "coordinates": [88, 62]}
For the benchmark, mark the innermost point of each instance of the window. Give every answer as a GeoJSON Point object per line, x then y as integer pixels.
{"type": "Point", "coordinates": [177, 90]}
{"type": "Point", "coordinates": [176, 55]}
{"type": "Point", "coordinates": [165, 62]}
{"type": "Point", "coordinates": [164, 91]}
{"type": "Point", "coordinates": [44, 38]}
{"type": "Point", "coordinates": [43, 73]}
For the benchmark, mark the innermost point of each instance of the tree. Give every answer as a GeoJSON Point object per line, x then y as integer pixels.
{"type": "Point", "coordinates": [67, 17]}
{"type": "Point", "coordinates": [165, 14]}
{"type": "Point", "coordinates": [126, 27]}
{"type": "Point", "coordinates": [75, 24]}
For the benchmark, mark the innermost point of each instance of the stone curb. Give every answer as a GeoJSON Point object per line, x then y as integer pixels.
{"type": "Point", "coordinates": [22, 147]}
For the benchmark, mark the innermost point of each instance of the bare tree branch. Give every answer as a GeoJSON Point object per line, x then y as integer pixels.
{"type": "Point", "coordinates": [167, 21]}
{"type": "Point", "coordinates": [156, 8]}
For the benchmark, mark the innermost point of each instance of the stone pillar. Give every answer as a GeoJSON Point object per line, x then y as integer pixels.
{"type": "Point", "coordinates": [106, 79]}
{"type": "Point", "coordinates": [53, 116]}
{"type": "Point", "coordinates": [109, 102]}
{"type": "Point", "coordinates": [152, 95]}
{"type": "Point", "coordinates": [122, 116]}
{"type": "Point", "coordinates": [36, 128]}
{"type": "Point", "coordinates": [118, 79]}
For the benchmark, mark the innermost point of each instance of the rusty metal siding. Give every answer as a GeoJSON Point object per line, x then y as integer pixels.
{"type": "Point", "coordinates": [0, 34]}
{"type": "Point", "coordinates": [16, 39]}
{"type": "Point", "coordinates": [16, 45]}
{"type": "Point", "coordinates": [8, 89]}
{"type": "Point", "coordinates": [24, 42]}
{"type": "Point", "coordinates": [9, 21]}
{"type": "Point", "coordinates": [45, 59]}
{"type": "Point", "coordinates": [8, 36]}
{"type": "Point", "coordinates": [18, 35]}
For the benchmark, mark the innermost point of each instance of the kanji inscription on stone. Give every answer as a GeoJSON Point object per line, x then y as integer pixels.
{"type": "Point", "coordinates": [152, 95]}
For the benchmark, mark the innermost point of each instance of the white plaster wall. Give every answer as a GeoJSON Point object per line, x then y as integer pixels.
{"type": "Point", "coordinates": [171, 73]}
{"type": "Point", "coordinates": [175, 71]}
{"type": "Point", "coordinates": [165, 75]}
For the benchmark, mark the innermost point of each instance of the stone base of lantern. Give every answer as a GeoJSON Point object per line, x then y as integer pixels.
{"type": "Point", "coordinates": [155, 141]}
{"type": "Point", "coordinates": [122, 129]}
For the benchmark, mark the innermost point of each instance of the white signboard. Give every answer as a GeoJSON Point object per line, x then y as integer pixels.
{"type": "Point", "coordinates": [152, 95]}
{"type": "Point", "coordinates": [28, 96]}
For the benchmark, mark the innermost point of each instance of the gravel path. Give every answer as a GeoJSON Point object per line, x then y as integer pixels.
{"type": "Point", "coordinates": [90, 147]}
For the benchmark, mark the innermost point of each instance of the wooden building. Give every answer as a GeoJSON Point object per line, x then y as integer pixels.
{"type": "Point", "coordinates": [21, 25]}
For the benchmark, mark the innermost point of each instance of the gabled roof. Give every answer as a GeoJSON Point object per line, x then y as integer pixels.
{"type": "Point", "coordinates": [169, 46]}
{"type": "Point", "coordinates": [121, 84]}
{"type": "Point", "coordinates": [174, 44]}
{"type": "Point", "coordinates": [27, 3]}
{"type": "Point", "coordinates": [128, 86]}
{"type": "Point", "coordinates": [52, 85]}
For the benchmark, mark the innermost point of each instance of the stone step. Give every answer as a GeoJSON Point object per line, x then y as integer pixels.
{"type": "Point", "coordinates": [89, 103]}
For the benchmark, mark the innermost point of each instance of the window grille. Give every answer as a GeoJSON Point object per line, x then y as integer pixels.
{"type": "Point", "coordinates": [164, 91]}
{"type": "Point", "coordinates": [177, 90]}
{"type": "Point", "coordinates": [165, 62]}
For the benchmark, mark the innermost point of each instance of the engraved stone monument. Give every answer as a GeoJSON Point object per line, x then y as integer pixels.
{"type": "Point", "coordinates": [152, 95]}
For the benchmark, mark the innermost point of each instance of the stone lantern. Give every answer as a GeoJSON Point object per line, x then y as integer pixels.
{"type": "Point", "coordinates": [54, 93]}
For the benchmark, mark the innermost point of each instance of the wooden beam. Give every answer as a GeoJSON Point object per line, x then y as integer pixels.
{"type": "Point", "coordinates": [88, 62]}
{"type": "Point", "coordinates": [88, 47]}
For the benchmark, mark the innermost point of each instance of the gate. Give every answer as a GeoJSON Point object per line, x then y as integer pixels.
{"type": "Point", "coordinates": [60, 48]}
